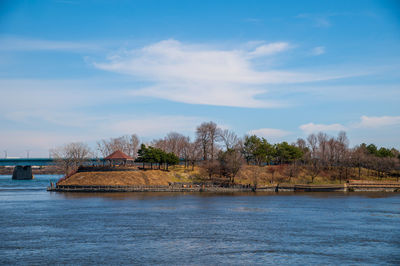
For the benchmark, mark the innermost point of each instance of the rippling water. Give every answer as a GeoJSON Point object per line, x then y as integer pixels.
{"type": "Point", "coordinates": [39, 227]}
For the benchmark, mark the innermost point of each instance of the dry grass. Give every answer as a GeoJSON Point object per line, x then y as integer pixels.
{"type": "Point", "coordinates": [250, 174]}
{"type": "Point", "coordinates": [129, 178]}
{"type": "Point", "coordinates": [247, 175]}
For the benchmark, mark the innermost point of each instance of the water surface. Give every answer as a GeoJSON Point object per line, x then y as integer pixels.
{"type": "Point", "coordinates": [39, 227]}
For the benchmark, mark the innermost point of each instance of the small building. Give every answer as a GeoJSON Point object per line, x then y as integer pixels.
{"type": "Point", "coordinates": [118, 158]}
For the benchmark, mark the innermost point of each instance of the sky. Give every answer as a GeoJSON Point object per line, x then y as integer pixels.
{"type": "Point", "coordinates": [74, 70]}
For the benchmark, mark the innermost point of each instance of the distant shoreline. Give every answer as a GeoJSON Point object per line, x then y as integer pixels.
{"type": "Point", "coordinates": [47, 170]}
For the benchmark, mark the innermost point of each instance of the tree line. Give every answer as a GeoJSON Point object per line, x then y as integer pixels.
{"type": "Point", "coordinates": [220, 153]}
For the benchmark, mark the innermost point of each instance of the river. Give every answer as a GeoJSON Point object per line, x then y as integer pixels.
{"type": "Point", "coordinates": [39, 227]}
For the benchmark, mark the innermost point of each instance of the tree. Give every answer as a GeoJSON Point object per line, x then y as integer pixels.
{"type": "Point", "coordinates": [359, 157]}
{"type": "Point", "coordinates": [207, 135]}
{"type": "Point", "coordinates": [70, 156]}
{"type": "Point", "coordinates": [264, 152]}
{"type": "Point", "coordinates": [286, 153]}
{"type": "Point", "coordinates": [302, 145]}
{"type": "Point", "coordinates": [149, 154]}
{"type": "Point", "coordinates": [313, 168]}
{"type": "Point", "coordinates": [127, 144]}
{"type": "Point", "coordinates": [312, 142]}
{"type": "Point", "coordinates": [230, 163]}
{"type": "Point", "coordinates": [372, 149]}
{"type": "Point", "coordinates": [384, 152]}
{"type": "Point", "coordinates": [249, 147]}
{"type": "Point", "coordinates": [142, 155]}
{"type": "Point", "coordinates": [322, 147]}
{"type": "Point", "coordinates": [193, 153]}
{"type": "Point", "coordinates": [230, 139]}
{"type": "Point", "coordinates": [257, 150]}
{"type": "Point", "coordinates": [175, 143]}
{"type": "Point", "coordinates": [171, 159]}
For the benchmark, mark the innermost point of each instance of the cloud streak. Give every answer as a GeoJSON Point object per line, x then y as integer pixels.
{"type": "Point", "coordinates": [366, 122]}
{"type": "Point", "coordinates": [270, 133]}
{"type": "Point", "coordinates": [314, 128]}
{"type": "Point", "coordinates": [199, 74]}
{"type": "Point", "coordinates": [319, 50]}
{"type": "Point", "coordinates": [378, 121]}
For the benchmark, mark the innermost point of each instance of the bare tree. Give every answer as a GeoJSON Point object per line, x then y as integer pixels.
{"type": "Point", "coordinates": [175, 143]}
{"type": "Point", "coordinates": [127, 144]}
{"type": "Point", "coordinates": [229, 138]}
{"type": "Point", "coordinates": [194, 153]}
{"type": "Point", "coordinates": [359, 158]}
{"type": "Point", "coordinates": [207, 135]}
{"type": "Point", "coordinates": [230, 161]}
{"type": "Point", "coordinates": [71, 156]}
{"type": "Point", "coordinates": [312, 142]}
{"type": "Point", "coordinates": [322, 147]}
{"type": "Point", "coordinates": [313, 168]}
{"type": "Point", "coordinates": [301, 143]}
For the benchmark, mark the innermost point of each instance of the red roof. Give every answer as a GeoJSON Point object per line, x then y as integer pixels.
{"type": "Point", "coordinates": [118, 155]}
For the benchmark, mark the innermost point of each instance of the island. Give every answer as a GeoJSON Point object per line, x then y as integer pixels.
{"type": "Point", "coordinates": [121, 176]}
{"type": "Point", "coordinates": [218, 160]}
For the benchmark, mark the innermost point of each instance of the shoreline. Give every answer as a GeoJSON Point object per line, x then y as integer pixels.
{"type": "Point", "coordinates": [197, 188]}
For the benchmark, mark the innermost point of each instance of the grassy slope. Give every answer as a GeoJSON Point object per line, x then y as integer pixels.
{"type": "Point", "coordinates": [247, 175]}
{"type": "Point", "coordinates": [126, 178]}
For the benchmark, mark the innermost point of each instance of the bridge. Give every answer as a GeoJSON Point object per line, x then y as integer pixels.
{"type": "Point", "coordinates": [41, 161]}
{"type": "Point", "coordinates": [23, 166]}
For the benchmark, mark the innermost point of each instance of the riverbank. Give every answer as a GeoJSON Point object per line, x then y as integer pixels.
{"type": "Point", "coordinates": [180, 179]}
{"type": "Point", "coordinates": [346, 187]}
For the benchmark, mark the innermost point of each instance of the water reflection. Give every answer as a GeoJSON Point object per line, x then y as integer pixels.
{"type": "Point", "coordinates": [161, 195]}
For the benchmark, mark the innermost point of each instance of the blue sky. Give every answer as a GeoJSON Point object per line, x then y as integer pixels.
{"type": "Point", "coordinates": [85, 70]}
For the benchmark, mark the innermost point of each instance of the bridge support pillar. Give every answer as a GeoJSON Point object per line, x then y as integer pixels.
{"type": "Point", "coordinates": [22, 172]}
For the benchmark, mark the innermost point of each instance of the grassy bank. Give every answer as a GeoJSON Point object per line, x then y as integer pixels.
{"type": "Point", "coordinates": [261, 176]}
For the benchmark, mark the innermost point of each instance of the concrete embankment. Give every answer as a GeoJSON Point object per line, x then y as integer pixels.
{"type": "Point", "coordinates": [194, 188]}
{"type": "Point", "coordinates": [201, 188]}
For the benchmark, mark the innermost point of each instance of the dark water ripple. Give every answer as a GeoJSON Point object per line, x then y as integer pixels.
{"type": "Point", "coordinates": [38, 227]}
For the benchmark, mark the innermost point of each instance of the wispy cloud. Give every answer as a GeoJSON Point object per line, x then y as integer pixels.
{"type": "Point", "coordinates": [319, 50]}
{"type": "Point", "coordinates": [378, 121]}
{"type": "Point", "coordinates": [157, 125]}
{"type": "Point", "coordinates": [319, 20]}
{"type": "Point", "coordinates": [199, 74]}
{"type": "Point", "coordinates": [315, 128]}
{"type": "Point", "coordinates": [270, 133]}
{"type": "Point", "coordinates": [365, 122]}
{"type": "Point", "coordinates": [269, 49]}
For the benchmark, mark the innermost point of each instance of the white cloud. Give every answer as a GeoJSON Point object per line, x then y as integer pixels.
{"type": "Point", "coordinates": [269, 49]}
{"type": "Point", "coordinates": [315, 128]}
{"type": "Point", "coordinates": [319, 20]}
{"type": "Point", "coordinates": [198, 74]}
{"type": "Point", "coordinates": [319, 50]}
{"type": "Point", "coordinates": [269, 133]}
{"type": "Point", "coordinates": [378, 121]}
